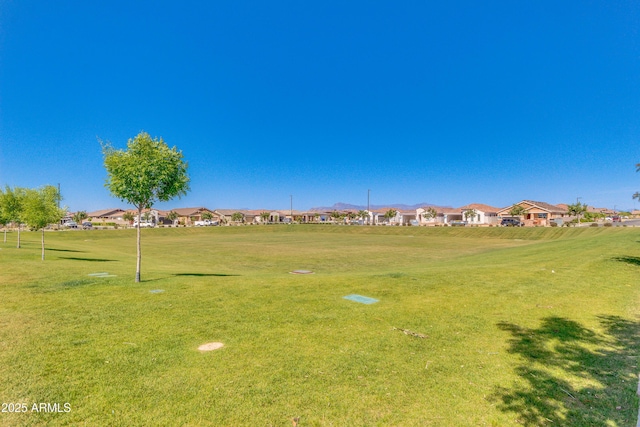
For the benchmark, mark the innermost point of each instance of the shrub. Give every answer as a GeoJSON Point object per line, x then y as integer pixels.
{"type": "Point", "coordinates": [608, 224]}
{"type": "Point", "coordinates": [593, 224]}
{"type": "Point", "coordinates": [553, 224]}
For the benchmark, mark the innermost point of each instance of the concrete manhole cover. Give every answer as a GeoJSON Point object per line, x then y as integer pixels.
{"type": "Point", "coordinates": [211, 346]}
{"type": "Point", "coordinates": [301, 272]}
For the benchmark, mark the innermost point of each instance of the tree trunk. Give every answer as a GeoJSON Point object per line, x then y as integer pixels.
{"type": "Point", "coordinates": [43, 243]}
{"type": "Point", "coordinates": [139, 253]}
{"type": "Point", "coordinates": [18, 236]}
{"type": "Point", "coordinates": [5, 234]}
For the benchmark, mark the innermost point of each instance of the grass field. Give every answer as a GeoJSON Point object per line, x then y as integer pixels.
{"type": "Point", "coordinates": [523, 327]}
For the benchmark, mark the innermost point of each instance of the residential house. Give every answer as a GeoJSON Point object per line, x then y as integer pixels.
{"type": "Point", "coordinates": [108, 215]}
{"type": "Point", "coordinates": [536, 213]}
{"type": "Point", "coordinates": [479, 214]}
{"type": "Point", "coordinates": [447, 215]}
{"type": "Point", "coordinates": [188, 216]}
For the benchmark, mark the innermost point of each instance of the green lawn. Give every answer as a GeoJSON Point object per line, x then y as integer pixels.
{"type": "Point", "coordinates": [523, 327]}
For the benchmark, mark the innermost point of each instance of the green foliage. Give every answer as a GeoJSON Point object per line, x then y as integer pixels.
{"type": "Point", "coordinates": [470, 213]}
{"type": "Point", "coordinates": [129, 217]}
{"type": "Point", "coordinates": [80, 216]}
{"type": "Point", "coordinates": [391, 213]}
{"type": "Point", "coordinates": [41, 208]}
{"type": "Point", "coordinates": [172, 216]}
{"type": "Point", "coordinates": [264, 216]}
{"type": "Point", "coordinates": [207, 216]}
{"type": "Point", "coordinates": [429, 213]}
{"type": "Point", "coordinates": [147, 172]}
{"type": "Point", "coordinates": [11, 204]}
{"type": "Point", "coordinates": [237, 217]}
{"type": "Point", "coordinates": [517, 210]}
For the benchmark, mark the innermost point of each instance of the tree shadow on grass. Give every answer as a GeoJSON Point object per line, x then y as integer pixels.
{"type": "Point", "coordinates": [87, 259]}
{"type": "Point", "coordinates": [570, 375]}
{"type": "Point", "coordinates": [62, 250]}
{"type": "Point", "coordinates": [633, 260]}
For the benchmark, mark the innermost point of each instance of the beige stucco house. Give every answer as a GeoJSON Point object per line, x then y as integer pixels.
{"type": "Point", "coordinates": [536, 213]}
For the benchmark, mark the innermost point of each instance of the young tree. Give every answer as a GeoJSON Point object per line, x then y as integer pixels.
{"type": "Point", "coordinates": [577, 209]}
{"type": "Point", "coordinates": [146, 217]}
{"type": "Point", "coordinates": [80, 216]}
{"type": "Point", "coordinates": [146, 172]}
{"type": "Point", "coordinates": [264, 216]}
{"type": "Point", "coordinates": [517, 210]}
{"type": "Point", "coordinates": [172, 216]}
{"type": "Point", "coordinates": [3, 220]}
{"type": "Point", "coordinates": [362, 214]}
{"type": "Point", "coordinates": [429, 213]}
{"type": "Point", "coordinates": [129, 217]}
{"type": "Point", "coordinates": [12, 206]}
{"type": "Point", "coordinates": [470, 213]}
{"type": "Point", "coordinates": [207, 216]}
{"type": "Point", "coordinates": [391, 213]}
{"type": "Point", "coordinates": [41, 208]}
{"type": "Point", "coordinates": [237, 217]}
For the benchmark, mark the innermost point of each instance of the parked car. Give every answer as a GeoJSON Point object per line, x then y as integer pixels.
{"type": "Point", "coordinates": [458, 223]}
{"type": "Point", "coordinates": [510, 222]}
{"type": "Point", "coordinates": [205, 223]}
{"type": "Point", "coordinates": [616, 218]}
{"type": "Point", "coordinates": [87, 226]}
{"type": "Point", "coordinates": [143, 224]}
{"type": "Point", "coordinates": [71, 224]}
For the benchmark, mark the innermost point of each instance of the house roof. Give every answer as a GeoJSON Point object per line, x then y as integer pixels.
{"type": "Point", "coordinates": [448, 210]}
{"type": "Point", "coordinates": [540, 205]}
{"type": "Point", "coordinates": [546, 206]}
{"type": "Point", "coordinates": [191, 211]}
{"type": "Point", "coordinates": [105, 212]}
{"type": "Point", "coordinates": [480, 207]}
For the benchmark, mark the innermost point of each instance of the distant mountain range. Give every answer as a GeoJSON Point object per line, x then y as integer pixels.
{"type": "Point", "coordinates": [347, 206]}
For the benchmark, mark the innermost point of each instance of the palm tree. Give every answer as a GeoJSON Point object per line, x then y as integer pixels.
{"type": "Point", "coordinates": [146, 217]}
{"type": "Point", "coordinates": [129, 217]}
{"type": "Point", "coordinates": [470, 213]}
{"type": "Point", "coordinates": [391, 213]}
{"type": "Point", "coordinates": [577, 209]}
{"type": "Point", "coordinates": [264, 216]}
{"type": "Point", "coordinates": [362, 214]}
{"type": "Point", "coordinates": [79, 216]}
{"type": "Point", "coordinates": [172, 216]}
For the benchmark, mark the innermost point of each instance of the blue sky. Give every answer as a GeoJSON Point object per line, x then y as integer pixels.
{"type": "Point", "coordinates": [441, 102]}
